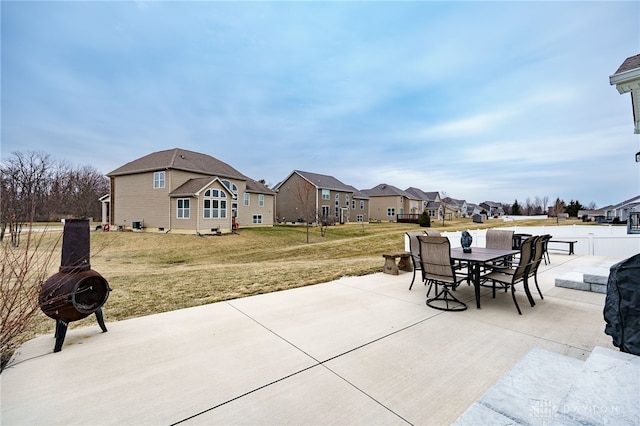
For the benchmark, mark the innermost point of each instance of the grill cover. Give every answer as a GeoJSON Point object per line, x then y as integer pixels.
{"type": "Point", "coordinates": [622, 305]}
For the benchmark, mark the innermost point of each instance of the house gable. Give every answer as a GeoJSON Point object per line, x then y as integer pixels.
{"type": "Point", "coordinates": [627, 80]}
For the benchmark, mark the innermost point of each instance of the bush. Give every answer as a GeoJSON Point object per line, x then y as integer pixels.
{"type": "Point", "coordinates": [22, 270]}
{"type": "Point", "coordinates": [425, 220]}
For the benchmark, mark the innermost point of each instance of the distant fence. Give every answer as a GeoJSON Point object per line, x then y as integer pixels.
{"type": "Point", "coordinates": [591, 240]}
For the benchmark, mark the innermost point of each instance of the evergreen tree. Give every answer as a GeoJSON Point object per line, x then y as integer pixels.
{"type": "Point", "coordinates": [573, 208]}
{"type": "Point", "coordinates": [425, 220]}
{"type": "Point", "coordinates": [515, 209]}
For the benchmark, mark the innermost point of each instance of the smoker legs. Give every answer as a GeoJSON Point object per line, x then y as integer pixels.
{"type": "Point", "coordinates": [61, 329]}
{"type": "Point", "coordinates": [100, 319]}
{"type": "Point", "coordinates": [61, 332]}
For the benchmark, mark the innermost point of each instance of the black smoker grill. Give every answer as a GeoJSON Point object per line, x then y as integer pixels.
{"type": "Point", "coordinates": [76, 291]}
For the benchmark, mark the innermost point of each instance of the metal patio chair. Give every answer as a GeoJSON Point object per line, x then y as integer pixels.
{"type": "Point", "coordinates": [435, 254]}
{"type": "Point", "coordinates": [509, 277]}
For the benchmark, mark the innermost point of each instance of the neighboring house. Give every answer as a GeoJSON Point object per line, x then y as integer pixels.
{"type": "Point", "coordinates": [184, 191]}
{"type": "Point", "coordinates": [359, 206]}
{"type": "Point", "coordinates": [591, 215]}
{"type": "Point", "coordinates": [473, 209]}
{"type": "Point", "coordinates": [458, 208]}
{"type": "Point", "coordinates": [492, 209]}
{"type": "Point", "coordinates": [430, 201]}
{"type": "Point", "coordinates": [306, 196]}
{"type": "Point", "coordinates": [387, 201]}
{"type": "Point", "coordinates": [627, 80]}
{"type": "Point", "coordinates": [623, 209]}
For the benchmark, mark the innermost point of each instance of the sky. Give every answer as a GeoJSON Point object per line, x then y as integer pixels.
{"type": "Point", "coordinates": [496, 101]}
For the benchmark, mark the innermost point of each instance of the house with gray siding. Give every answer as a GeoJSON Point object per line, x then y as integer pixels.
{"type": "Point", "coordinates": [313, 197]}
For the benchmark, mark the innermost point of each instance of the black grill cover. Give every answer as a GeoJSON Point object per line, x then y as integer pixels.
{"type": "Point", "coordinates": [622, 305]}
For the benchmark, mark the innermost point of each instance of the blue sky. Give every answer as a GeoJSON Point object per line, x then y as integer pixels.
{"type": "Point", "coordinates": [480, 100]}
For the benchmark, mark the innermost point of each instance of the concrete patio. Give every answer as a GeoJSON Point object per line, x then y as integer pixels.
{"type": "Point", "coordinates": [359, 350]}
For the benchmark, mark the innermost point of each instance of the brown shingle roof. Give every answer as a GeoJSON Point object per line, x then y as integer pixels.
{"type": "Point", "coordinates": [180, 159]}
{"type": "Point", "coordinates": [384, 190]}
{"type": "Point", "coordinates": [324, 181]}
{"type": "Point", "coordinates": [190, 187]}
{"type": "Point", "coordinates": [257, 187]}
{"type": "Point", "coordinates": [629, 64]}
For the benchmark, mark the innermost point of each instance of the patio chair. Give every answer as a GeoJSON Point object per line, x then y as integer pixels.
{"type": "Point", "coordinates": [414, 249]}
{"type": "Point", "coordinates": [499, 239]}
{"type": "Point", "coordinates": [435, 254]}
{"type": "Point", "coordinates": [519, 273]}
{"type": "Point", "coordinates": [536, 259]}
{"type": "Point", "coordinates": [545, 249]}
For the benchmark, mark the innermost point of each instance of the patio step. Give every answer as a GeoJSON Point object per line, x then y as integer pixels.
{"type": "Point", "coordinates": [549, 388]}
{"type": "Point", "coordinates": [607, 392]}
{"type": "Point", "coordinates": [591, 279]}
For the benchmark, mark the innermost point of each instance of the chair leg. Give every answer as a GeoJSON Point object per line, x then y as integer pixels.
{"type": "Point", "coordinates": [450, 301]}
{"type": "Point", "coordinates": [430, 286]}
{"type": "Point", "coordinates": [513, 294]}
{"type": "Point", "coordinates": [525, 283]}
{"type": "Point", "coordinates": [535, 279]}
{"type": "Point", "coordinates": [413, 279]}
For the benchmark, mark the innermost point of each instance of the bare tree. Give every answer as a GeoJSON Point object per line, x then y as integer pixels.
{"type": "Point", "coordinates": [545, 203]}
{"type": "Point", "coordinates": [304, 194]}
{"type": "Point", "coordinates": [36, 188]}
{"type": "Point", "coordinates": [537, 205]}
{"type": "Point", "coordinates": [87, 185]}
{"type": "Point", "coordinates": [443, 203]}
{"type": "Point", "coordinates": [558, 208]}
{"type": "Point", "coordinates": [25, 179]}
{"type": "Point", "coordinates": [528, 207]}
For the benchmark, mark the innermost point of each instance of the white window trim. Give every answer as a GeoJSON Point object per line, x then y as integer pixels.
{"type": "Point", "coordinates": [184, 210]}
{"type": "Point", "coordinates": [159, 183]}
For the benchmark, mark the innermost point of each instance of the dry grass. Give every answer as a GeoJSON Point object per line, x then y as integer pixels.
{"type": "Point", "coordinates": [153, 272]}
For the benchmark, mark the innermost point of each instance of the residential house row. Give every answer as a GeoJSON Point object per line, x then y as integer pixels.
{"type": "Point", "coordinates": [179, 190]}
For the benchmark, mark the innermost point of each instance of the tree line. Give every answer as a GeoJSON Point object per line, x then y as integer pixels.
{"type": "Point", "coordinates": [35, 187]}
{"type": "Point", "coordinates": [539, 206]}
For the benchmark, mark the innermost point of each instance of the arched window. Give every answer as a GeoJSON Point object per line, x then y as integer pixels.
{"type": "Point", "coordinates": [231, 187]}
{"type": "Point", "coordinates": [215, 204]}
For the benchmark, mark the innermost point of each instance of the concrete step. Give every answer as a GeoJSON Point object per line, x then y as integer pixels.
{"type": "Point", "coordinates": [552, 389]}
{"type": "Point", "coordinates": [529, 394]}
{"type": "Point", "coordinates": [591, 279]}
{"type": "Point", "coordinates": [573, 280]}
{"type": "Point", "coordinates": [596, 275]}
{"type": "Point", "coordinates": [607, 391]}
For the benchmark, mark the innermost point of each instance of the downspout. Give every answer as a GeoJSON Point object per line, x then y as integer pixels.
{"type": "Point", "coordinates": [197, 199]}
{"type": "Point", "coordinates": [112, 203]}
{"type": "Point", "coordinates": [169, 183]}
{"type": "Point", "coordinates": [317, 204]}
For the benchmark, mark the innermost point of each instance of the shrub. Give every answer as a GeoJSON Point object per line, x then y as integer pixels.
{"type": "Point", "coordinates": [22, 271]}
{"type": "Point", "coordinates": [425, 220]}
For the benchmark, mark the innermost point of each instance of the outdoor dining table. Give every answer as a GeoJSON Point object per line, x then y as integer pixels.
{"type": "Point", "coordinates": [478, 257]}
